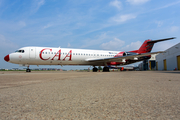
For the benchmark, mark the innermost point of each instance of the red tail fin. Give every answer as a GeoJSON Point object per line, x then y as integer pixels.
{"type": "Point", "coordinates": [148, 45]}
{"type": "Point", "coordinates": [145, 47]}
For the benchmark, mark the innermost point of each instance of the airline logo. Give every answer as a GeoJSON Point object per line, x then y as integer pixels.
{"type": "Point", "coordinates": [57, 55]}
{"type": "Point", "coordinates": [113, 53]}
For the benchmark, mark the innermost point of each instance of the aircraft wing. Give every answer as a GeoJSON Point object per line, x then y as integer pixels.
{"type": "Point", "coordinates": [119, 59]}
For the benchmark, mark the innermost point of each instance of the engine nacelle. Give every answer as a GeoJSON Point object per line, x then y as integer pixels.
{"type": "Point", "coordinates": [125, 54]}
{"type": "Point", "coordinates": [124, 60]}
{"type": "Point", "coordinates": [129, 53]}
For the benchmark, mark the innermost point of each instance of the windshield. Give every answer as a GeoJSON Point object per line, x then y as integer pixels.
{"type": "Point", "coordinates": [20, 51]}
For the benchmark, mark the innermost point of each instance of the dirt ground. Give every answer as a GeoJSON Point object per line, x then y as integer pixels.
{"type": "Point", "coordinates": [87, 95]}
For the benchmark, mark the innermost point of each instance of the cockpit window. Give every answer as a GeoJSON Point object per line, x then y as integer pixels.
{"type": "Point", "coordinates": [20, 51]}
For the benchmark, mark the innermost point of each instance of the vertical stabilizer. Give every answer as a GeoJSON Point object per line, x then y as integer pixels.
{"type": "Point", "coordinates": [148, 45]}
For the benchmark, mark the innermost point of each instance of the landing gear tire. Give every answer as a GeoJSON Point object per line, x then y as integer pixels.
{"type": "Point", "coordinates": [95, 69]}
{"type": "Point", "coordinates": [28, 70]}
{"type": "Point", "coordinates": [105, 69]}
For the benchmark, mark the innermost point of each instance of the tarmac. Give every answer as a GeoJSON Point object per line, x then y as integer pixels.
{"type": "Point", "coordinates": [54, 95]}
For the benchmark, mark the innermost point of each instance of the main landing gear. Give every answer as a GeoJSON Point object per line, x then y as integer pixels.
{"type": "Point", "coordinates": [28, 70]}
{"type": "Point", "coordinates": [95, 69]}
{"type": "Point", "coordinates": [105, 69]}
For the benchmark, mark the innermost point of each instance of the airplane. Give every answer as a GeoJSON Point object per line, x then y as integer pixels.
{"type": "Point", "coordinates": [32, 55]}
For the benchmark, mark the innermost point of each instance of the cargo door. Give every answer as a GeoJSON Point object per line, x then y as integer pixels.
{"type": "Point", "coordinates": [165, 66]}
{"type": "Point", "coordinates": [32, 52]}
{"type": "Point", "coordinates": [178, 62]}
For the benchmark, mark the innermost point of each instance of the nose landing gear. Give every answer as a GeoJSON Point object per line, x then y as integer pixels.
{"type": "Point", "coordinates": [28, 70]}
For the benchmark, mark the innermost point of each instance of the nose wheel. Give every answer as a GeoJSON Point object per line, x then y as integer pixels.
{"type": "Point", "coordinates": [28, 70]}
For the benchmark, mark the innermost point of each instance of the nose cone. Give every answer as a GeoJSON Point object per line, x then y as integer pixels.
{"type": "Point", "coordinates": [6, 58]}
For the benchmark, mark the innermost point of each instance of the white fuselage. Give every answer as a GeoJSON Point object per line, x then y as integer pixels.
{"type": "Point", "coordinates": [58, 56]}
{"type": "Point", "coordinates": [65, 56]}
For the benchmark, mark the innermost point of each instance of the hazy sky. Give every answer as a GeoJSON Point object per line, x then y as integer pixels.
{"type": "Point", "coordinates": [88, 24]}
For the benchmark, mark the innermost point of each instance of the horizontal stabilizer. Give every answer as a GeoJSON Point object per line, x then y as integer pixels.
{"type": "Point", "coordinates": [155, 41]}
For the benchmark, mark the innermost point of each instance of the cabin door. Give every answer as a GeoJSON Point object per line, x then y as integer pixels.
{"type": "Point", "coordinates": [32, 52]}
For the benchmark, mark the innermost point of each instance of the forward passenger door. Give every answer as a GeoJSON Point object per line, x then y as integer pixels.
{"type": "Point", "coordinates": [32, 52]}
